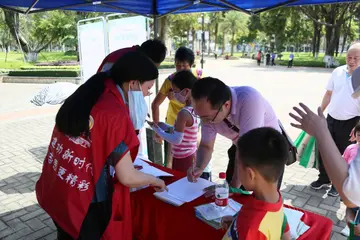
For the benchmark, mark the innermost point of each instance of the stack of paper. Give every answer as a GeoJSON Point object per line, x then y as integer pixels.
{"type": "Point", "coordinates": [297, 227]}
{"type": "Point", "coordinates": [210, 214]}
{"type": "Point", "coordinates": [183, 191]}
{"type": "Point", "coordinates": [210, 211]}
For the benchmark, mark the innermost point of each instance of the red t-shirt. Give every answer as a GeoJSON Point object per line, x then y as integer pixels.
{"type": "Point", "coordinates": [258, 220]}
{"type": "Point", "coordinates": [110, 59]}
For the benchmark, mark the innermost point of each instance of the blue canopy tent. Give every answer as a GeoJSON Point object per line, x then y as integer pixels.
{"type": "Point", "coordinates": [155, 8]}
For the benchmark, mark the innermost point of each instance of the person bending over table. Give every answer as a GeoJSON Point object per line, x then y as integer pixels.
{"type": "Point", "coordinates": [345, 178]}
{"type": "Point", "coordinates": [153, 48]}
{"type": "Point", "coordinates": [231, 112]}
{"type": "Point", "coordinates": [95, 129]}
{"type": "Point", "coordinates": [262, 215]}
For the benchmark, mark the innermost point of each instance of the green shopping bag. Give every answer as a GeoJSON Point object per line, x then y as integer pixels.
{"type": "Point", "coordinates": [352, 225]}
{"type": "Point", "coordinates": [308, 154]}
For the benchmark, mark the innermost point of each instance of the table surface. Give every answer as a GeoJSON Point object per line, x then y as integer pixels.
{"type": "Point", "coordinates": [155, 219]}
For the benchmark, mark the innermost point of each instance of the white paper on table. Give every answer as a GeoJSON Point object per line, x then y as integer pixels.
{"type": "Point", "coordinates": [148, 169]}
{"type": "Point", "coordinates": [140, 162]}
{"type": "Point", "coordinates": [183, 191]}
{"type": "Point", "coordinates": [211, 212]}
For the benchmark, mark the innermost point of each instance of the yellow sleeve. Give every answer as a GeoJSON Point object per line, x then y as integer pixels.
{"type": "Point", "coordinates": [165, 87]}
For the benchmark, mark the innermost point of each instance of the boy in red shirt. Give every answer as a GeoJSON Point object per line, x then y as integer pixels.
{"type": "Point", "coordinates": [261, 158]}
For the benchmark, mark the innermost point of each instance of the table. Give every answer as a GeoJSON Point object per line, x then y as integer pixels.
{"type": "Point", "coordinates": [154, 219]}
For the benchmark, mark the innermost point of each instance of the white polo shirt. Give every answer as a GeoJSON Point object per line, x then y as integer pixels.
{"type": "Point", "coordinates": [342, 105]}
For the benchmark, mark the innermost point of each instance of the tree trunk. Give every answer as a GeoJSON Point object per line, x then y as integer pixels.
{"type": "Point", "coordinates": [209, 40]}
{"type": "Point", "coordinates": [12, 21]}
{"type": "Point", "coordinates": [216, 35]}
{"type": "Point", "coordinates": [314, 40]}
{"type": "Point", "coordinates": [193, 34]}
{"type": "Point", "coordinates": [163, 28]}
{"type": "Point", "coordinates": [32, 56]}
{"type": "Point", "coordinates": [346, 32]}
{"type": "Point", "coordinates": [232, 42]}
{"type": "Point", "coordinates": [223, 44]}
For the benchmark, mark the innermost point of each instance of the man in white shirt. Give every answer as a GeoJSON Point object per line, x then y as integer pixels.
{"type": "Point", "coordinates": [343, 110]}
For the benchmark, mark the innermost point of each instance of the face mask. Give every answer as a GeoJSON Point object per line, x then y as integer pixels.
{"type": "Point", "coordinates": [138, 108]}
{"type": "Point", "coordinates": [181, 98]}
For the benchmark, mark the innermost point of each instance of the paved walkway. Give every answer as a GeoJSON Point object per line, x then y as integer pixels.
{"type": "Point", "coordinates": [25, 134]}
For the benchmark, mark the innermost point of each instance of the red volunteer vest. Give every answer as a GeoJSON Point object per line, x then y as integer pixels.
{"type": "Point", "coordinates": [73, 166]}
{"type": "Point", "coordinates": [114, 56]}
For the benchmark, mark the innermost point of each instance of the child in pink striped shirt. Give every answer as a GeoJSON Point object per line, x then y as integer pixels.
{"type": "Point", "coordinates": [183, 135]}
{"type": "Point", "coordinates": [349, 155]}
{"type": "Point", "coordinates": [351, 151]}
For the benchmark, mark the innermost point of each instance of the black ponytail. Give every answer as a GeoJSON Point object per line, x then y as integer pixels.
{"type": "Point", "coordinates": [73, 116]}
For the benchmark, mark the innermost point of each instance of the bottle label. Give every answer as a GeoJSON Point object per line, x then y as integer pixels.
{"type": "Point", "coordinates": [221, 196]}
{"type": "Point", "coordinates": [221, 202]}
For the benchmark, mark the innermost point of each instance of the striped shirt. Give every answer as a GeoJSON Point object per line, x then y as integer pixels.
{"type": "Point", "coordinates": [188, 145]}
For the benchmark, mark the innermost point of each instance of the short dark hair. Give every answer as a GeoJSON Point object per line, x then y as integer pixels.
{"type": "Point", "coordinates": [357, 128]}
{"type": "Point", "coordinates": [214, 90]}
{"type": "Point", "coordinates": [155, 50]}
{"type": "Point", "coordinates": [264, 149]}
{"type": "Point", "coordinates": [184, 79]}
{"type": "Point", "coordinates": [184, 54]}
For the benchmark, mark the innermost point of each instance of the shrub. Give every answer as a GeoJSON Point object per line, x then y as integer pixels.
{"type": "Point", "coordinates": [44, 73]}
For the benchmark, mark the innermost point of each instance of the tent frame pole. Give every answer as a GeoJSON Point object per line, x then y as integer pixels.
{"type": "Point", "coordinates": [275, 6]}
{"type": "Point", "coordinates": [234, 7]}
{"type": "Point", "coordinates": [31, 6]}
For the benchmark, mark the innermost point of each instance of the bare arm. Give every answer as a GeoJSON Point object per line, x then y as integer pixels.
{"type": "Point", "coordinates": [326, 100]}
{"type": "Point", "coordinates": [204, 153]}
{"type": "Point", "coordinates": [335, 166]}
{"type": "Point", "coordinates": [130, 177]}
{"type": "Point", "coordinates": [159, 99]}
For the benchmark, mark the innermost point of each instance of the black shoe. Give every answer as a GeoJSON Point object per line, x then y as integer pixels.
{"type": "Point", "coordinates": [332, 192]}
{"type": "Point", "coordinates": [318, 185]}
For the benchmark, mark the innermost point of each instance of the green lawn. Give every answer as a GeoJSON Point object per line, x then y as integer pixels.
{"type": "Point", "coordinates": [15, 60]}
{"type": "Point", "coordinates": [15, 65]}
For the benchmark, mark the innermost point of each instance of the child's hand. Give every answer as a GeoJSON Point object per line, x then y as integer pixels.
{"type": "Point", "coordinates": [151, 124]}
{"type": "Point", "coordinates": [226, 222]}
{"type": "Point", "coordinates": [171, 95]}
{"type": "Point", "coordinates": [357, 230]}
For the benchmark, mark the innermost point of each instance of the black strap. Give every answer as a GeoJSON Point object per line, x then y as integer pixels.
{"type": "Point", "coordinates": [231, 126]}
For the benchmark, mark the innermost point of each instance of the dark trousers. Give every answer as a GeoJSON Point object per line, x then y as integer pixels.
{"type": "Point", "coordinates": [339, 130]}
{"type": "Point", "coordinates": [290, 63]}
{"type": "Point", "coordinates": [272, 62]}
{"type": "Point", "coordinates": [231, 166]}
{"type": "Point", "coordinates": [258, 62]}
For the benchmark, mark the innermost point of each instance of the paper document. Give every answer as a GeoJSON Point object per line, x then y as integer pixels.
{"type": "Point", "coordinates": [148, 169]}
{"type": "Point", "coordinates": [297, 227]}
{"type": "Point", "coordinates": [211, 212]}
{"type": "Point", "coordinates": [183, 191]}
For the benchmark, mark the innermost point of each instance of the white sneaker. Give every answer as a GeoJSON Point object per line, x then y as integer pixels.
{"type": "Point", "coordinates": [346, 231]}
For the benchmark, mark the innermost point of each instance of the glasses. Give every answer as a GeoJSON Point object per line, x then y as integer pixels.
{"type": "Point", "coordinates": [206, 120]}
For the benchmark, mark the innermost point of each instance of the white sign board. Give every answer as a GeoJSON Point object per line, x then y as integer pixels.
{"type": "Point", "coordinates": [126, 32]}
{"type": "Point", "coordinates": [92, 46]}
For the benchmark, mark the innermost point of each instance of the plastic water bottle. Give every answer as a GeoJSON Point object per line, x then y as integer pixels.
{"type": "Point", "coordinates": [222, 192]}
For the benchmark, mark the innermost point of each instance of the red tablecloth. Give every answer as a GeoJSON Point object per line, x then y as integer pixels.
{"type": "Point", "coordinates": [157, 220]}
